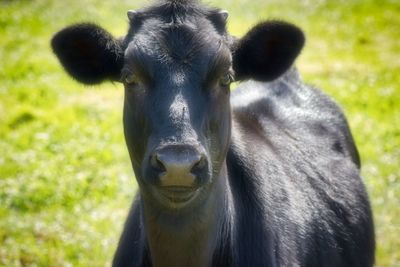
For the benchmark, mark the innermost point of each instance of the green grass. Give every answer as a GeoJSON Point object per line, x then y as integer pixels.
{"type": "Point", "coordinates": [65, 176]}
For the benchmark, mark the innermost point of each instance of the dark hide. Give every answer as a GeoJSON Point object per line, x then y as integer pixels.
{"type": "Point", "coordinates": [267, 176]}
{"type": "Point", "coordinates": [89, 53]}
{"type": "Point", "coordinates": [267, 51]}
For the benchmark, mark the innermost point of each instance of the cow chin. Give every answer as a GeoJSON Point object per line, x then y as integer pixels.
{"type": "Point", "coordinates": [176, 198]}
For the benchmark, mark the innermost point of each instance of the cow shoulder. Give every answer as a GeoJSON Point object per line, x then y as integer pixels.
{"type": "Point", "coordinates": [287, 108]}
{"type": "Point", "coordinates": [292, 149]}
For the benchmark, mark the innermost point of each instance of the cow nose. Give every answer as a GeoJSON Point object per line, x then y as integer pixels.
{"type": "Point", "coordinates": [177, 165]}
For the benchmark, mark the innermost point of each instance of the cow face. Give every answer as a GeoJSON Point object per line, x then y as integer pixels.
{"type": "Point", "coordinates": [177, 114]}
{"type": "Point", "coordinates": [176, 64]}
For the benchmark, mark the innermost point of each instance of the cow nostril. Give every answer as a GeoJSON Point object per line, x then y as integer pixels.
{"type": "Point", "coordinates": [157, 163]}
{"type": "Point", "coordinates": [200, 164]}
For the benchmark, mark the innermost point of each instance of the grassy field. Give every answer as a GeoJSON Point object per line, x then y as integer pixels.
{"type": "Point", "coordinates": [65, 177]}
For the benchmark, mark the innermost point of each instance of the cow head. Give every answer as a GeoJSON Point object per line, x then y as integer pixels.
{"type": "Point", "coordinates": [176, 63]}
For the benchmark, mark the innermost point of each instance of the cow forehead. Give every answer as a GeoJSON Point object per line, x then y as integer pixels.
{"type": "Point", "coordinates": [177, 42]}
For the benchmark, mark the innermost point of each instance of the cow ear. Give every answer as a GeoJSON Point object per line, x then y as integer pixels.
{"type": "Point", "coordinates": [89, 53]}
{"type": "Point", "coordinates": [267, 51]}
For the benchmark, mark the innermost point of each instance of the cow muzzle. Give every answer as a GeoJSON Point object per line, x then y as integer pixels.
{"type": "Point", "coordinates": [179, 171]}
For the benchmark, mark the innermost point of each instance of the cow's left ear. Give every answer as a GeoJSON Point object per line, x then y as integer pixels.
{"type": "Point", "coordinates": [89, 53]}
{"type": "Point", "coordinates": [267, 51]}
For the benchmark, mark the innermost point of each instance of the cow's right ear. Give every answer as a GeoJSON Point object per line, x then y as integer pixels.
{"type": "Point", "coordinates": [89, 53]}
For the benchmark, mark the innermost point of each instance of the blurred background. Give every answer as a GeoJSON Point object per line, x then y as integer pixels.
{"type": "Point", "coordinates": [65, 178]}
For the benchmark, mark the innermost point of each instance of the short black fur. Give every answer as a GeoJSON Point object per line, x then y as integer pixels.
{"type": "Point", "coordinates": [267, 50]}
{"type": "Point", "coordinates": [279, 180]}
{"type": "Point", "coordinates": [88, 53]}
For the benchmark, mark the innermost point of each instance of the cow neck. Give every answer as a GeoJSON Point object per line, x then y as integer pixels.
{"type": "Point", "coordinates": [190, 239]}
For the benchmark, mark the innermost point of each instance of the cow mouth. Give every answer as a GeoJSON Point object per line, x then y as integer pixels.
{"type": "Point", "coordinates": [177, 194]}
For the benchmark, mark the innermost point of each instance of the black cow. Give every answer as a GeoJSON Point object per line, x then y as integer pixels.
{"type": "Point", "coordinates": [267, 176]}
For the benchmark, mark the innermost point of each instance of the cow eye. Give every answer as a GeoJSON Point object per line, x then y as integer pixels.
{"type": "Point", "coordinates": [130, 79]}
{"type": "Point", "coordinates": [225, 80]}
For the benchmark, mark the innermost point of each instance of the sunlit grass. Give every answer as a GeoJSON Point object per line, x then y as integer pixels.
{"type": "Point", "coordinates": [65, 176]}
